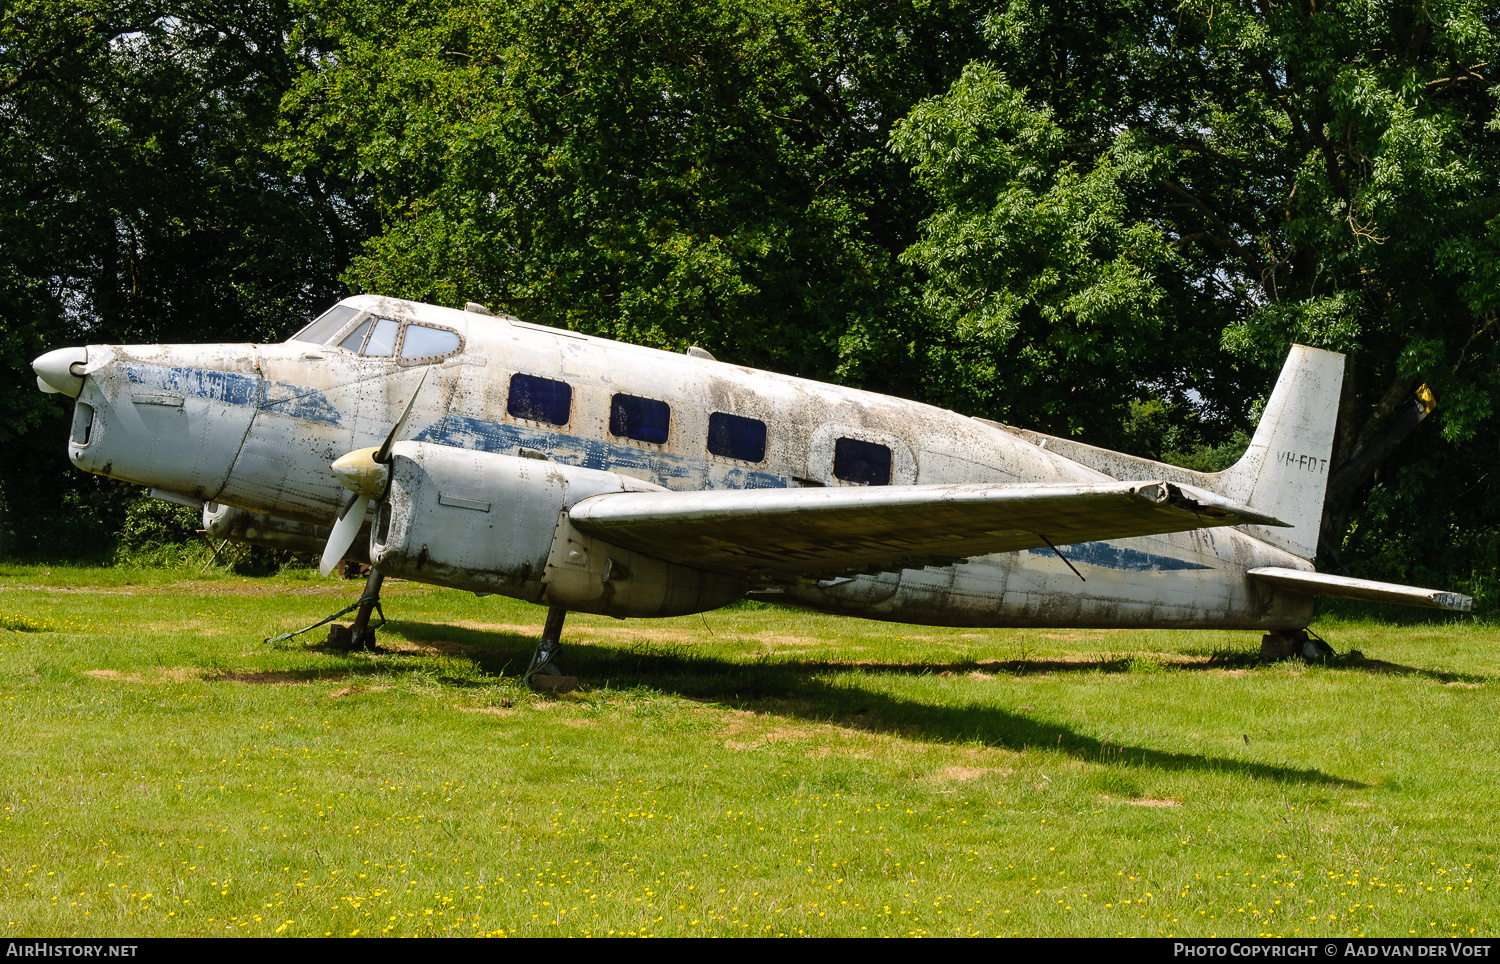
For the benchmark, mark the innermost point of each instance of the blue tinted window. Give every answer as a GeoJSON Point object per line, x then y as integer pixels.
{"type": "Point", "coordinates": [643, 419]}
{"type": "Point", "coordinates": [737, 437]}
{"type": "Point", "coordinates": [540, 399]}
{"type": "Point", "coordinates": [864, 462]}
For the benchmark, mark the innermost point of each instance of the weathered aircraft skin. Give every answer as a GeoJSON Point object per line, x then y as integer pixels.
{"type": "Point", "coordinates": [255, 427]}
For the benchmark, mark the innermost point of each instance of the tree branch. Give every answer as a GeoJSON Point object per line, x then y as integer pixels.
{"type": "Point", "coordinates": [1224, 239]}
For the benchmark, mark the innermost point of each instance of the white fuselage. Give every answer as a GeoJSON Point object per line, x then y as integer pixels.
{"type": "Point", "coordinates": [256, 426]}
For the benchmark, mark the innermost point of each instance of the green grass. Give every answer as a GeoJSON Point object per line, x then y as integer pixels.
{"type": "Point", "coordinates": [752, 771]}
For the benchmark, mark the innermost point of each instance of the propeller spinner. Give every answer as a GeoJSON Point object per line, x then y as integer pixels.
{"type": "Point", "coordinates": [364, 473]}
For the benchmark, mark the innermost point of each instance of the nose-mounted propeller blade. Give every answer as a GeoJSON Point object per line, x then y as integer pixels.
{"type": "Point", "coordinates": [364, 473]}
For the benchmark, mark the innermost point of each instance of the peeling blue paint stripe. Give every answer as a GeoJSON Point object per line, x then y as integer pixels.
{"type": "Point", "coordinates": [298, 402]}
{"type": "Point", "coordinates": [231, 388]}
{"type": "Point", "coordinates": [234, 388]}
{"type": "Point", "coordinates": [1107, 556]}
{"type": "Point", "coordinates": [678, 472]}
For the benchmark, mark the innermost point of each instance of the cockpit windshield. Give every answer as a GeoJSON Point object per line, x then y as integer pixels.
{"type": "Point", "coordinates": [326, 325]}
{"type": "Point", "coordinates": [376, 337]}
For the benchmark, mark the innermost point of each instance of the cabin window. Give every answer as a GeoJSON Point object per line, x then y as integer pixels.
{"type": "Point", "coordinates": [540, 399]}
{"type": "Point", "coordinates": [863, 462]}
{"type": "Point", "coordinates": [326, 325]}
{"type": "Point", "coordinates": [643, 419]}
{"type": "Point", "coordinates": [357, 336]}
{"type": "Point", "coordinates": [736, 437]}
{"type": "Point", "coordinates": [421, 341]}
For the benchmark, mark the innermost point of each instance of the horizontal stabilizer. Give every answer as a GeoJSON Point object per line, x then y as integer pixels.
{"type": "Point", "coordinates": [1346, 587]}
{"type": "Point", "coordinates": [847, 529]}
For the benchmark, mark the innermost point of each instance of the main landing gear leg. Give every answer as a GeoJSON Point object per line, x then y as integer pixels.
{"type": "Point", "coordinates": [544, 673]}
{"type": "Point", "coordinates": [361, 636]}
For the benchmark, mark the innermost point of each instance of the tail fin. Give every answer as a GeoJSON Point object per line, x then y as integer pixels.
{"type": "Point", "coordinates": [1284, 473]}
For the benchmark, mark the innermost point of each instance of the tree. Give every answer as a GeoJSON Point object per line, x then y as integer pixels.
{"type": "Point", "coordinates": [1123, 187]}
{"type": "Point", "coordinates": [140, 202]}
{"type": "Point", "coordinates": [665, 173]}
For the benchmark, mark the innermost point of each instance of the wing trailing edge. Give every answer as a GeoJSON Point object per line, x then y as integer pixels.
{"type": "Point", "coordinates": [1347, 587]}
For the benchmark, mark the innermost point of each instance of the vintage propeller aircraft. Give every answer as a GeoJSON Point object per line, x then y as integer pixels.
{"type": "Point", "coordinates": [579, 473]}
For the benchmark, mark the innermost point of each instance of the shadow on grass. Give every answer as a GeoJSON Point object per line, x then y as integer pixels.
{"type": "Point", "coordinates": [493, 653]}
{"type": "Point", "coordinates": [1382, 667]}
{"type": "Point", "coordinates": [804, 691]}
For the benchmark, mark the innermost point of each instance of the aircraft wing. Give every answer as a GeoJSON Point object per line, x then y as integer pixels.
{"type": "Point", "coordinates": [871, 529]}
{"type": "Point", "coordinates": [1347, 587]}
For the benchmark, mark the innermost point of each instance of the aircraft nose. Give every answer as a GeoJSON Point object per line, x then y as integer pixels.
{"type": "Point", "coordinates": [54, 371]}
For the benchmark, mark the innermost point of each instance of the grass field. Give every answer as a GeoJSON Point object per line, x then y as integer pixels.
{"type": "Point", "coordinates": [753, 771]}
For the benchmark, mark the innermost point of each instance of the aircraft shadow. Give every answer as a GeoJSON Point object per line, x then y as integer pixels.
{"type": "Point", "coordinates": [802, 690]}
{"type": "Point", "coordinates": [1382, 667]}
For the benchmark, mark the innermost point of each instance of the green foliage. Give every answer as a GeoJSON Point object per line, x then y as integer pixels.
{"type": "Point", "coordinates": [1201, 457]}
{"type": "Point", "coordinates": [1157, 431]}
{"type": "Point", "coordinates": [141, 201]}
{"type": "Point", "coordinates": [664, 173]}
{"type": "Point", "coordinates": [1028, 254]}
{"type": "Point", "coordinates": [1418, 526]}
{"type": "Point", "coordinates": [1226, 180]}
{"type": "Point", "coordinates": [156, 531]}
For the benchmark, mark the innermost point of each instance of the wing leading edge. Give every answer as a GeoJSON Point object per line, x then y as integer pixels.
{"type": "Point", "coordinates": [785, 532]}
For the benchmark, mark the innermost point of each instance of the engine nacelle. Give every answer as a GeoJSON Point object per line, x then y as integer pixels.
{"type": "Point", "coordinates": [273, 532]}
{"type": "Point", "coordinates": [499, 523]}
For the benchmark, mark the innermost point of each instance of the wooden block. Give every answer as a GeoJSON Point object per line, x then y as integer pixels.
{"type": "Point", "coordinates": [555, 684]}
{"type": "Point", "coordinates": [1275, 647]}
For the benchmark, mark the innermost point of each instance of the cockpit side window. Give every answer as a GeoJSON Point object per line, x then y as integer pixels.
{"type": "Point", "coordinates": [382, 339]}
{"type": "Point", "coordinates": [326, 325]}
{"type": "Point", "coordinates": [420, 344]}
{"type": "Point", "coordinates": [421, 341]}
{"type": "Point", "coordinates": [357, 336]}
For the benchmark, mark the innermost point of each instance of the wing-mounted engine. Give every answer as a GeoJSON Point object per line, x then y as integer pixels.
{"type": "Point", "coordinates": [469, 520]}
{"type": "Point", "coordinates": [272, 532]}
